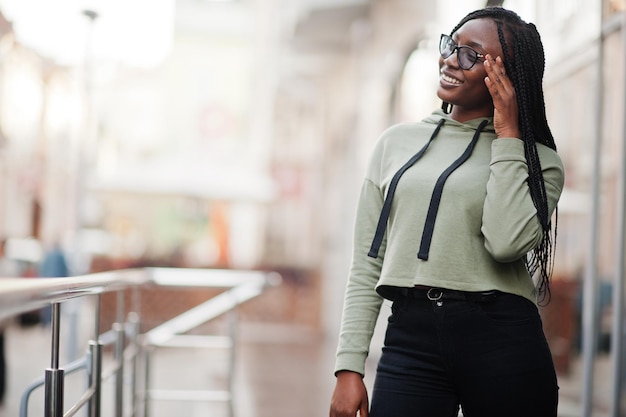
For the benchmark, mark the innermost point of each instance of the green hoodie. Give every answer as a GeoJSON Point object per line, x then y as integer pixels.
{"type": "Point", "coordinates": [485, 225]}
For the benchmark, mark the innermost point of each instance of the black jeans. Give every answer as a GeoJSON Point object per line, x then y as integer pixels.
{"type": "Point", "coordinates": [489, 356]}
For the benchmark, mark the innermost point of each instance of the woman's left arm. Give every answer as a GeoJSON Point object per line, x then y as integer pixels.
{"type": "Point", "coordinates": [510, 224]}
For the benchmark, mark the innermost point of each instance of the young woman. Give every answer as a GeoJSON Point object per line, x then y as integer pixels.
{"type": "Point", "coordinates": [454, 226]}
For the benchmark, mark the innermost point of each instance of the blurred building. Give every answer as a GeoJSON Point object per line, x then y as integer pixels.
{"type": "Point", "coordinates": [244, 144]}
{"type": "Point", "coordinates": [38, 114]}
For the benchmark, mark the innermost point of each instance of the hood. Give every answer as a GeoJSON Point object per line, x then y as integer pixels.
{"type": "Point", "coordinates": [470, 125]}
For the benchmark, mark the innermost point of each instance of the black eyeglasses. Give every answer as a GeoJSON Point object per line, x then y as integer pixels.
{"type": "Point", "coordinates": [465, 56]}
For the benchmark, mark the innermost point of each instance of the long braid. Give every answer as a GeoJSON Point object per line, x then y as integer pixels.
{"type": "Point", "coordinates": [524, 63]}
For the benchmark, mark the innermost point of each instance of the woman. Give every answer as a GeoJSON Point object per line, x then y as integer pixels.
{"type": "Point", "coordinates": [453, 223]}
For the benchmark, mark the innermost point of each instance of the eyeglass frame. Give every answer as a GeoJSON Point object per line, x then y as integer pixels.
{"type": "Point", "coordinates": [457, 48]}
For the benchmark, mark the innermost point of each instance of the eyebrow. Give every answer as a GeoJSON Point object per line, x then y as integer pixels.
{"type": "Point", "coordinates": [477, 45]}
{"type": "Point", "coordinates": [471, 43]}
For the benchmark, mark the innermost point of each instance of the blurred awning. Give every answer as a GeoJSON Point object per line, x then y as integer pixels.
{"type": "Point", "coordinates": [208, 183]}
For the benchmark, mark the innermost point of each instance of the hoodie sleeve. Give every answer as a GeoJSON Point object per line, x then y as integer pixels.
{"type": "Point", "coordinates": [362, 303]}
{"type": "Point", "coordinates": [510, 224]}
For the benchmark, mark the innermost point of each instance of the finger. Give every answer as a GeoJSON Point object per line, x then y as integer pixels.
{"type": "Point", "coordinates": [493, 88]}
{"type": "Point", "coordinates": [502, 77]}
{"type": "Point", "coordinates": [496, 72]}
{"type": "Point", "coordinates": [492, 80]}
{"type": "Point", "coordinates": [499, 65]}
{"type": "Point", "coordinates": [498, 84]}
{"type": "Point", "coordinates": [364, 409]}
{"type": "Point", "coordinates": [496, 65]}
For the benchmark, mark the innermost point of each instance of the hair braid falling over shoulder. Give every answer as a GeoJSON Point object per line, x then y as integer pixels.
{"type": "Point", "coordinates": [524, 61]}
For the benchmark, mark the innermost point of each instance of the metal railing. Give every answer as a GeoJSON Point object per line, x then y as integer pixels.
{"type": "Point", "coordinates": [131, 349]}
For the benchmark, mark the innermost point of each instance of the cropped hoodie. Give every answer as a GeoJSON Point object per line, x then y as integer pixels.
{"type": "Point", "coordinates": [485, 222]}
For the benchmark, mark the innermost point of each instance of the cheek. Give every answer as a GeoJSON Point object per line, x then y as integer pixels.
{"type": "Point", "coordinates": [479, 72]}
{"type": "Point", "coordinates": [478, 80]}
{"type": "Point", "coordinates": [480, 94]}
{"type": "Point", "coordinates": [480, 91]}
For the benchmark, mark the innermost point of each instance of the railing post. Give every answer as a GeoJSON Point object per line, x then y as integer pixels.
{"type": "Point", "coordinates": [146, 382]}
{"type": "Point", "coordinates": [54, 393]}
{"type": "Point", "coordinates": [118, 354]}
{"type": "Point", "coordinates": [95, 376]}
{"type": "Point", "coordinates": [233, 329]}
{"type": "Point", "coordinates": [54, 376]}
{"type": "Point", "coordinates": [120, 342]}
{"type": "Point", "coordinates": [133, 324]}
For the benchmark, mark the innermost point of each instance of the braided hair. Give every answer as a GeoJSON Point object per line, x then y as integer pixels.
{"type": "Point", "coordinates": [524, 63]}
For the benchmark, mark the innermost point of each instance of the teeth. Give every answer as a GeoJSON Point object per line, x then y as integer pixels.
{"type": "Point", "coordinates": [450, 79]}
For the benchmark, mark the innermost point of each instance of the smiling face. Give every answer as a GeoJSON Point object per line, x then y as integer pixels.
{"type": "Point", "coordinates": [466, 89]}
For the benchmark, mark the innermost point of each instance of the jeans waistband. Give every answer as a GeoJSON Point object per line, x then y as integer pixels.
{"type": "Point", "coordinates": [435, 294]}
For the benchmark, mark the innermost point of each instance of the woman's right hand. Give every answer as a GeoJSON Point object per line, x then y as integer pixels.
{"type": "Point", "coordinates": [350, 396]}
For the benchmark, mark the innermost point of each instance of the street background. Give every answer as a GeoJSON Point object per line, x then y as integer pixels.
{"type": "Point", "coordinates": [234, 134]}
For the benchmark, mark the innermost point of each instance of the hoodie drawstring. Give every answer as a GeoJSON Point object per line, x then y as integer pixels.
{"type": "Point", "coordinates": [433, 208]}
{"type": "Point", "coordinates": [435, 198]}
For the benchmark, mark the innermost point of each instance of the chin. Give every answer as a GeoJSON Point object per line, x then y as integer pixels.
{"type": "Point", "coordinates": [441, 93]}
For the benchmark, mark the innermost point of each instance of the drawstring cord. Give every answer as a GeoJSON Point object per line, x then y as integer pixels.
{"type": "Point", "coordinates": [435, 197]}
{"type": "Point", "coordinates": [386, 210]}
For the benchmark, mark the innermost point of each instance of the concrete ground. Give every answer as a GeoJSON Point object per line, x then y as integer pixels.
{"type": "Point", "coordinates": [281, 371]}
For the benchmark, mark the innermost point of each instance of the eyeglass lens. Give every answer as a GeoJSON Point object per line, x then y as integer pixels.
{"type": "Point", "coordinates": [466, 56]}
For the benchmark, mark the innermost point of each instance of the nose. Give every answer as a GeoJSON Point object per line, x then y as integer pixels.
{"type": "Point", "coordinates": [453, 59]}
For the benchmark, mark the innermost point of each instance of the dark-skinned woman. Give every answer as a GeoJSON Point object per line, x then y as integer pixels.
{"type": "Point", "coordinates": [454, 227]}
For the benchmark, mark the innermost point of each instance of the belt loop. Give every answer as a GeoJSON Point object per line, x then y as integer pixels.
{"type": "Point", "coordinates": [403, 292]}
{"type": "Point", "coordinates": [488, 296]}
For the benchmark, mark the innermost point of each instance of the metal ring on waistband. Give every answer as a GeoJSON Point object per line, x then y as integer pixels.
{"type": "Point", "coordinates": [434, 294]}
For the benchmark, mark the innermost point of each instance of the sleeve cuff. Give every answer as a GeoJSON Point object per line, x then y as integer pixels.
{"type": "Point", "coordinates": [507, 149]}
{"type": "Point", "coordinates": [351, 361]}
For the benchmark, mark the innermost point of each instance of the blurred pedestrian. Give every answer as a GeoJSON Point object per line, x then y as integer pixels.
{"type": "Point", "coordinates": [465, 264]}
{"type": "Point", "coordinates": [53, 265]}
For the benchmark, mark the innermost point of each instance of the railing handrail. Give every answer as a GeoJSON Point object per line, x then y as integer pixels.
{"type": "Point", "coordinates": [20, 295]}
